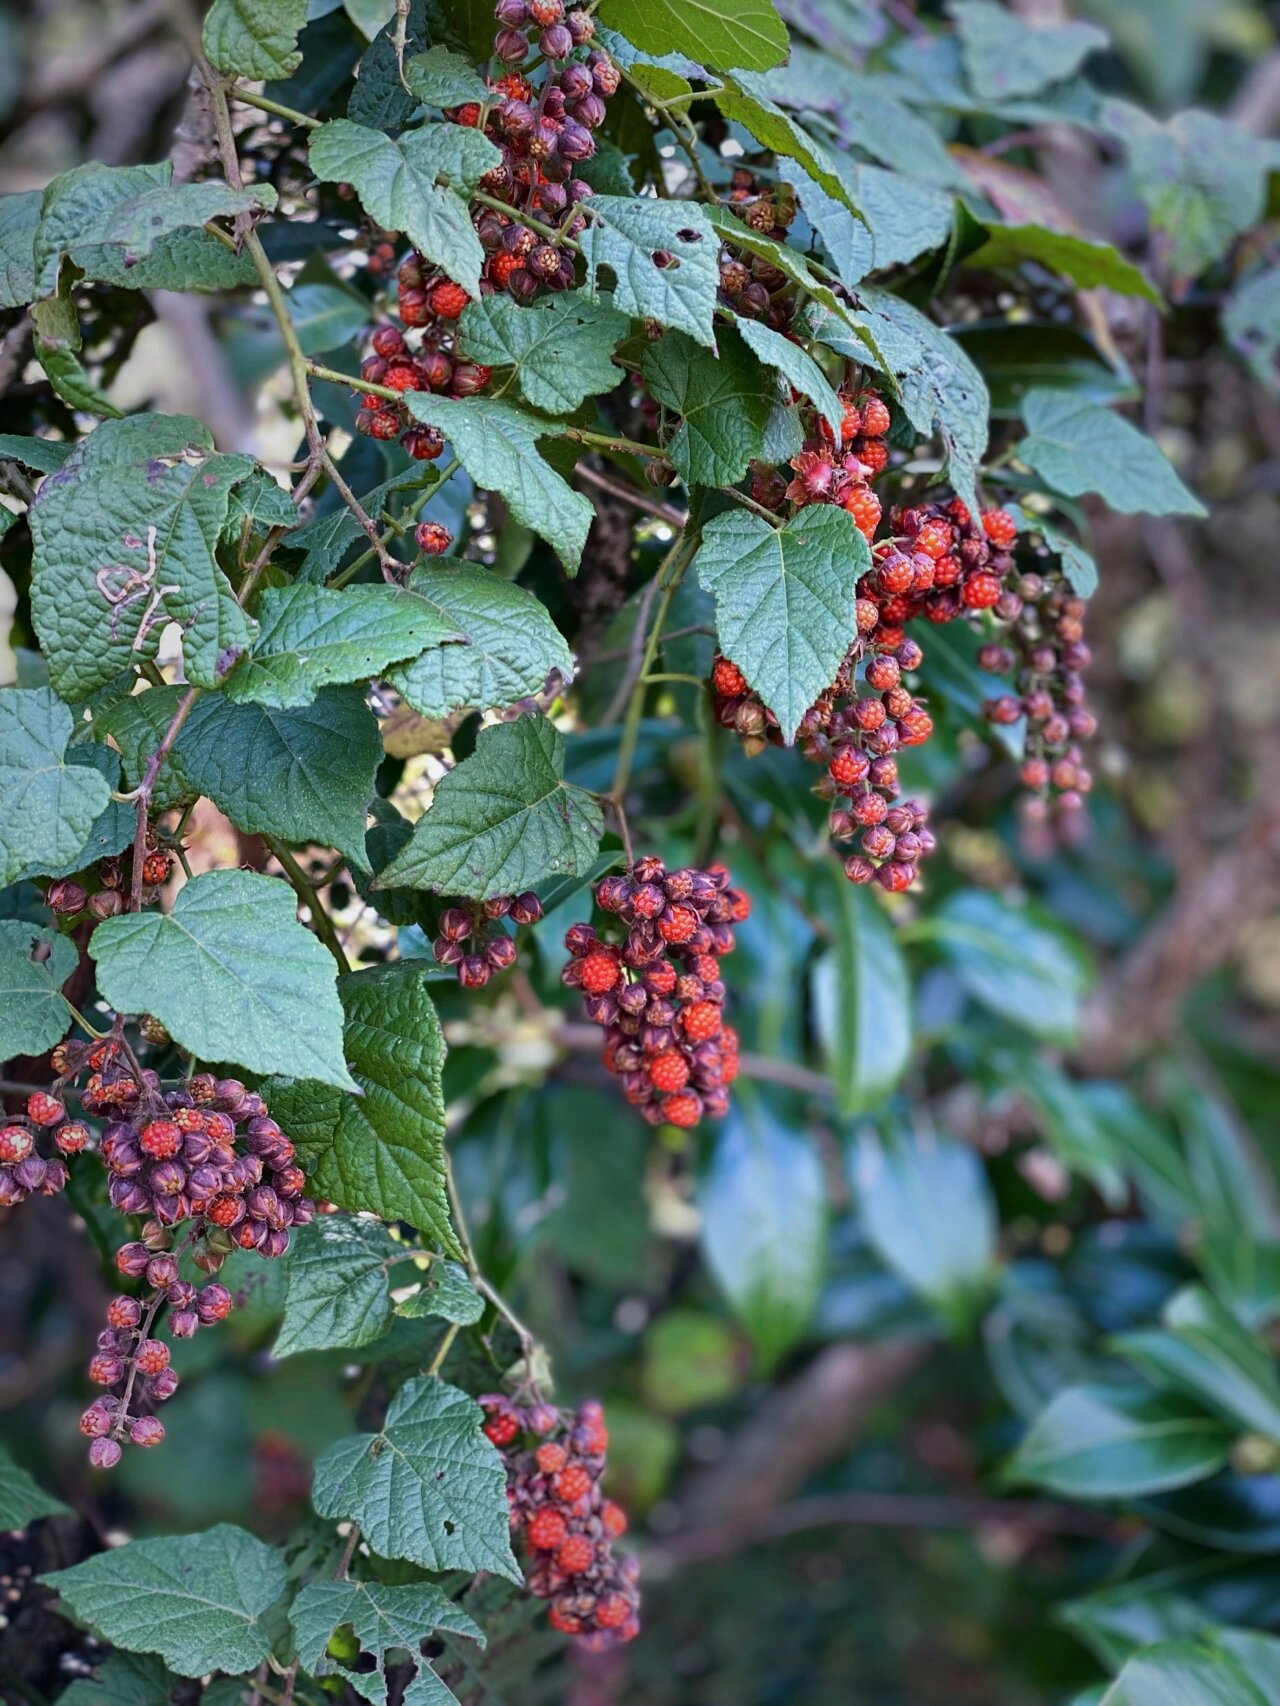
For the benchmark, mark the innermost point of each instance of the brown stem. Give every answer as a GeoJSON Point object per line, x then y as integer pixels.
{"type": "Point", "coordinates": [630, 495]}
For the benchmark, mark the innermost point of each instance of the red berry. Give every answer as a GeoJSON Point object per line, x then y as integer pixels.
{"type": "Point", "coordinates": [572, 1484]}
{"type": "Point", "coordinates": [160, 1139]}
{"type": "Point", "coordinates": [1000, 528]}
{"type": "Point", "coordinates": [678, 924]}
{"type": "Point", "coordinates": [934, 539]}
{"type": "Point", "coordinates": [700, 1021]}
{"type": "Point", "coordinates": [613, 1611]}
{"type": "Point", "coordinates": [446, 299]}
{"type": "Point", "coordinates": [379, 423]}
{"type": "Point", "coordinates": [727, 680]}
{"type": "Point", "coordinates": [45, 1110]}
{"type": "Point", "coordinates": [684, 1109]}
{"type": "Point", "coordinates": [501, 1428]}
{"type": "Point", "coordinates": [403, 376]}
{"type": "Point", "coordinates": [980, 591]}
{"type": "Point", "coordinates": [388, 341]}
{"type": "Point", "coordinates": [156, 869]}
{"type": "Point", "coordinates": [576, 1555]}
{"type": "Point", "coordinates": [613, 1518]}
{"type": "Point", "coordinates": [564, 1621]}
{"type": "Point", "coordinates": [669, 1071]}
{"type": "Point", "coordinates": [600, 972]}
{"type": "Point", "coordinates": [864, 506]}
{"type": "Point", "coordinates": [551, 1458]}
{"type": "Point", "coordinates": [547, 1530]}
{"type": "Point", "coordinates": [848, 767]}
{"type": "Point", "coordinates": [15, 1143]}
{"type": "Point", "coordinates": [72, 1138]}
{"type": "Point", "coordinates": [875, 416]}
{"type": "Point", "coordinates": [433, 539]}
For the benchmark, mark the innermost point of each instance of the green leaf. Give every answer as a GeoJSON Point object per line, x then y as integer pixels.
{"type": "Point", "coordinates": [127, 1679]}
{"type": "Point", "coordinates": [337, 1278]}
{"type": "Point", "coordinates": [231, 975]}
{"type": "Point", "coordinates": [311, 637]}
{"type": "Point", "coordinates": [125, 536]}
{"type": "Point", "coordinates": [1077, 446]}
{"type": "Point", "coordinates": [382, 1151]}
{"type": "Point", "coordinates": [42, 454]}
{"type": "Point", "coordinates": [764, 1225]}
{"type": "Point", "coordinates": [796, 366]}
{"type": "Point", "coordinates": [442, 78]}
{"type": "Point", "coordinates": [1245, 1273]}
{"type": "Point", "coordinates": [112, 217]}
{"type": "Point", "coordinates": [784, 600]}
{"type": "Point", "coordinates": [624, 233]}
{"type": "Point", "coordinates": [1006, 56]}
{"type": "Point", "coordinates": [325, 316]}
{"type": "Point", "coordinates": [744, 100]}
{"type": "Point", "coordinates": [430, 1487]}
{"type": "Point", "coordinates": [1011, 963]}
{"type": "Point", "coordinates": [503, 820]}
{"type": "Point", "coordinates": [1207, 1354]}
{"type": "Point", "coordinates": [195, 1599]}
{"type": "Point", "coordinates": [445, 1294]}
{"type": "Point", "coordinates": [33, 1015]}
{"type": "Point", "coordinates": [938, 384]}
{"type": "Point", "coordinates": [1203, 180]}
{"type": "Point", "coordinates": [57, 343]}
{"type": "Point", "coordinates": [49, 804]}
{"type": "Point", "coordinates": [724, 399]}
{"type": "Point", "coordinates": [1116, 1622]}
{"type": "Point", "coordinates": [1117, 1442]}
{"type": "Point", "coordinates": [561, 351]}
{"type": "Point", "coordinates": [1081, 1139]}
{"type": "Point", "coordinates": [902, 218]}
{"type": "Point", "coordinates": [514, 648]}
{"type": "Point", "coordinates": [861, 998]}
{"type": "Point", "coordinates": [1175, 1673]}
{"type": "Point", "coordinates": [304, 775]}
{"type": "Point", "coordinates": [1251, 324]}
{"type": "Point", "coordinates": [928, 1213]}
{"type": "Point", "coordinates": [255, 38]}
{"type": "Point", "coordinates": [497, 444]}
{"type": "Point", "coordinates": [382, 1618]}
{"type": "Point", "coordinates": [725, 34]}
{"type": "Point", "coordinates": [415, 185]}
{"type": "Point", "coordinates": [19, 218]}
{"type": "Point", "coordinates": [21, 1499]}
{"type": "Point", "coordinates": [1084, 262]}
{"type": "Point", "coordinates": [1077, 564]}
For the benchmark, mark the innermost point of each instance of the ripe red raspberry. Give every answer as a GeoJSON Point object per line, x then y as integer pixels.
{"type": "Point", "coordinates": [613, 1611]}
{"type": "Point", "coordinates": [848, 767]}
{"type": "Point", "coordinates": [576, 1555]}
{"type": "Point", "coordinates": [700, 1021]}
{"type": "Point", "coordinates": [153, 1356]}
{"type": "Point", "coordinates": [468, 114]}
{"type": "Point", "coordinates": [875, 416]}
{"type": "Point", "coordinates": [1000, 528]}
{"type": "Point", "coordinates": [544, 12]}
{"type": "Point", "coordinates": [447, 299]}
{"type": "Point", "coordinates": [934, 539]}
{"type": "Point", "coordinates": [551, 1458]}
{"type": "Point", "coordinates": [895, 573]}
{"type": "Point", "coordinates": [864, 506]}
{"type": "Point", "coordinates": [72, 1138]}
{"type": "Point", "coordinates": [160, 1139]}
{"type": "Point", "coordinates": [547, 1529]}
{"type": "Point", "coordinates": [600, 972]}
{"type": "Point", "coordinates": [684, 1109]}
{"type": "Point", "coordinates": [980, 591]}
{"type": "Point", "coordinates": [501, 267]}
{"type": "Point", "coordinates": [379, 423]}
{"type": "Point", "coordinates": [15, 1143]}
{"type": "Point", "coordinates": [156, 869]}
{"type": "Point", "coordinates": [45, 1110]}
{"type": "Point", "coordinates": [851, 425]}
{"type": "Point", "coordinates": [669, 1071]}
{"type": "Point", "coordinates": [432, 538]}
{"type": "Point", "coordinates": [225, 1212]}
{"type": "Point", "coordinates": [660, 978]}
{"type": "Point", "coordinates": [501, 1428]}
{"type": "Point", "coordinates": [873, 453]}
{"type": "Point", "coordinates": [727, 679]}
{"type": "Point", "coordinates": [613, 1519]}
{"type": "Point", "coordinates": [402, 376]}
{"type": "Point", "coordinates": [678, 924]}
{"type": "Point", "coordinates": [564, 1621]}
{"type": "Point", "coordinates": [915, 727]}
{"type": "Point", "coordinates": [572, 1484]}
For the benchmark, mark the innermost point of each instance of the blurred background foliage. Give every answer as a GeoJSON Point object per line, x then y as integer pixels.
{"type": "Point", "coordinates": [942, 1372]}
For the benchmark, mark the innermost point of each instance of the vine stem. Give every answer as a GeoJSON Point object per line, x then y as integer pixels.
{"type": "Point", "coordinates": [306, 892]}
{"type": "Point", "coordinates": [276, 108]}
{"type": "Point", "coordinates": [667, 579]}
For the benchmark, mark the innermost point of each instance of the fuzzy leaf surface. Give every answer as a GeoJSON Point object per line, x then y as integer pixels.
{"type": "Point", "coordinates": [722, 33]}
{"type": "Point", "coordinates": [255, 38]}
{"type": "Point", "coordinates": [381, 1618]}
{"type": "Point", "coordinates": [561, 351]}
{"type": "Point", "coordinates": [33, 1015]}
{"type": "Point", "coordinates": [624, 233]}
{"type": "Point", "coordinates": [49, 801]}
{"type": "Point", "coordinates": [724, 400]}
{"type": "Point", "coordinates": [337, 1285]}
{"type": "Point", "coordinates": [1079, 446]}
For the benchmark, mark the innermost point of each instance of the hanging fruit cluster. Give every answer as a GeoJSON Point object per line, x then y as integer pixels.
{"type": "Point", "coordinates": [543, 135]}
{"type": "Point", "coordinates": [210, 1171]}
{"type": "Point", "coordinates": [555, 1462]}
{"type": "Point", "coordinates": [658, 994]}
{"type": "Point", "coordinates": [468, 940]}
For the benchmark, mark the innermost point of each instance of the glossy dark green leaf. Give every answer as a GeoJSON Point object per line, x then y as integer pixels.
{"type": "Point", "coordinates": [1118, 1442]}
{"type": "Point", "coordinates": [861, 998]}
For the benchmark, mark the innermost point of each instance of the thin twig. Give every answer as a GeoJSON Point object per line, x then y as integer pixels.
{"type": "Point", "coordinates": [628, 494]}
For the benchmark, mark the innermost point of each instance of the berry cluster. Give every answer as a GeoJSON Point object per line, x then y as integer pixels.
{"type": "Point", "coordinates": [467, 941]}
{"type": "Point", "coordinates": [21, 1169]}
{"type": "Point", "coordinates": [555, 1462]}
{"type": "Point", "coordinates": [546, 103]}
{"type": "Point", "coordinates": [207, 1158]}
{"type": "Point", "coordinates": [658, 995]}
{"type": "Point", "coordinates": [69, 898]}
